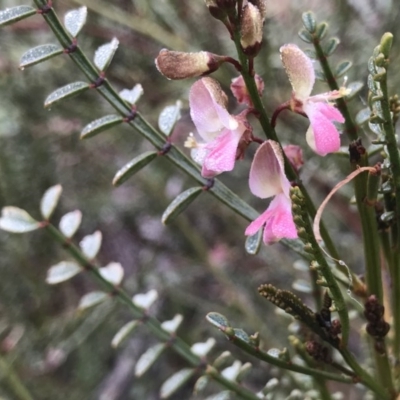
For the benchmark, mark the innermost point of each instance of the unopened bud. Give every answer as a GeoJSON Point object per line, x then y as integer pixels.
{"type": "Point", "coordinates": [215, 11]}
{"type": "Point", "coordinates": [251, 30]}
{"type": "Point", "coordinates": [262, 7]}
{"type": "Point", "coordinates": [239, 89]}
{"type": "Point", "coordinates": [295, 155]}
{"type": "Point", "coordinates": [180, 65]}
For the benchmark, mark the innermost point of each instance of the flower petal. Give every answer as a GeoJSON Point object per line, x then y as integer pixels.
{"type": "Point", "coordinates": [208, 109]}
{"type": "Point", "coordinates": [267, 173]}
{"type": "Point", "coordinates": [222, 155]}
{"type": "Point", "coordinates": [280, 225]}
{"type": "Point", "coordinates": [299, 69]}
{"type": "Point", "coordinates": [258, 223]}
{"type": "Point", "coordinates": [322, 135]}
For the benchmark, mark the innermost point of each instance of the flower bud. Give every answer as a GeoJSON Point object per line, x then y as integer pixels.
{"type": "Point", "coordinates": [295, 155]}
{"type": "Point", "coordinates": [216, 11]}
{"type": "Point", "coordinates": [239, 89]}
{"type": "Point", "coordinates": [262, 7]}
{"type": "Point", "coordinates": [251, 31]}
{"type": "Point", "coordinates": [180, 65]}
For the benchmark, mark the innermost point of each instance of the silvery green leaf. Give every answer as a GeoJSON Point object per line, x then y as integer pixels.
{"type": "Point", "coordinates": [105, 53]}
{"type": "Point", "coordinates": [90, 245]}
{"type": "Point", "coordinates": [62, 271]}
{"type": "Point", "coordinates": [70, 223]}
{"type": "Point", "coordinates": [274, 352]}
{"type": "Point", "coordinates": [242, 335]}
{"type": "Point", "coordinates": [145, 300]}
{"type": "Point", "coordinates": [14, 14]}
{"type": "Point", "coordinates": [92, 299]}
{"type": "Point", "coordinates": [223, 359]}
{"type": "Point", "coordinates": [168, 118]}
{"type": "Point", "coordinates": [218, 320]}
{"type": "Point", "coordinates": [133, 166]}
{"type": "Point", "coordinates": [301, 285]}
{"type": "Point", "coordinates": [123, 333]}
{"type": "Point", "coordinates": [302, 265]}
{"type": "Point", "coordinates": [173, 383]}
{"type": "Point", "coordinates": [50, 200]}
{"type": "Point", "coordinates": [253, 242]}
{"type": "Point", "coordinates": [65, 92]}
{"type": "Point", "coordinates": [113, 273]}
{"type": "Point", "coordinates": [320, 75]}
{"type": "Point", "coordinates": [225, 395]}
{"type": "Point", "coordinates": [363, 116]}
{"type": "Point", "coordinates": [330, 46]}
{"type": "Point", "coordinates": [100, 125]}
{"type": "Point", "coordinates": [180, 203]}
{"type": "Point", "coordinates": [172, 325]}
{"type": "Point", "coordinates": [354, 88]}
{"type": "Point", "coordinates": [202, 349]}
{"type": "Point", "coordinates": [16, 220]}
{"type": "Point", "coordinates": [201, 384]}
{"type": "Point", "coordinates": [309, 21]}
{"type": "Point", "coordinates": [39, 54]}
{"type": "Point", "coordinates": [342, 68]}
{"type": "Point", "coordinates": [232, 372]}
{"type": "Point", "coordinates": [148, 358]}
{"type": "Point", "coordinates": [321, 30]}
{"type": "Point", "coordinates": [305, 36]}
{"type": "Point", "coordinates": [132, 96]}
{"type": "Point", "coordinates": [74, 20]}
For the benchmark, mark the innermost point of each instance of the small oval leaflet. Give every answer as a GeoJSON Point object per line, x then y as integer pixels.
{"type": "Point", "coordinates": [232, 372]}
{"type": "Point", "coordinates": [363, 116]}
{"type": "Point", "coordinates": [74, 20]}
{"type": "Point", "coordinates": [105, 53]}
{"type": "Point", "coordinates": [100, 125]}
{"type": "Point", "coordinates": [305, 36]}
{"type": "Point", "coordinates": [301, 285]}
{"type": "Point", "coordinates": [49, 201]}
{"type": "Point", "coordinates": [320, 75]}
{"type": "Point", "coordinates": [180, 203]}
{"type": "Point", "coordinates": [223, 359]}
{"type": "Point", "coordinates": [113, 273]}
{"type": "Point", "coordinates": [92, 299]}
{"type": "Point", "coordinates": [354, 88]}
{"type": "Point", "coordinates": [65, 92]}
{"type": "Point", "coordinates": [39, 54]}
{"type": "Point", "coordinates": [202, 349]}
{"type": "Point", "coordinates": [309, 21]}
{"type": "Point", "coordinates": [218, 320]}
{"type": "Point", "coordinates": [90, 245]}
{"type": "Point", "coordinates": [14, 14]}
{"type": "Point", "coordinates": [70, 222]}
{"type": "Point", "coordinates": [133, 166]}
{"type": "Point", "coordinates": [242, 335]}
{"type": "Point", "coordinates": [331, 46]}
{"type": "Point", "coordinates": [225, 395]}
{"type": "Point", "coordinates": [172, 325]}
{"type": "Point", "coordinates": [17, 220]}
{"type": "Point", "coordinates": [123, 333]}
{"type": "Point", "coordinates": [62, 271]}
{"type": "Point", "coordinates": [132, 96]}
{"type": "Point", "coordinates": [201, 384]}
{"type": "Point", "coordinates": [168, 118]}
{"type": "Point", "coordinates": [321, 30]}
{"type": "Point", "coordinates": [173, 383]}
{"type": "Point", "coordinates": [148, 358]}
{"type": "Point", "coordinates": [244, 371]}
{"type": "Point", "coordinates": [253, 243]}
{"type": "Point", "coordinates": [342, 68]}
{"type": "Point", "coordinates": [145, 300]}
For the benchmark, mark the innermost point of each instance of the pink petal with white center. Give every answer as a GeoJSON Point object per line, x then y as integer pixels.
{"type": "Point", "coordinates": [299, 69]}
{"type": "Point", "coordinates": [322, 135]}
{"type": "Point", "coordinates": [222, 153]}
{"type": "Point", "coordinates": [208, 109]}
{"type": "Point", "coordinates": [267, 173]}
{"type": "Point", "coordinates": [277, 221]}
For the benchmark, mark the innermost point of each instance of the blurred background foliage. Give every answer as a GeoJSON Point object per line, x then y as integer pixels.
{"type": "Point", "coordinates": [198, 264]}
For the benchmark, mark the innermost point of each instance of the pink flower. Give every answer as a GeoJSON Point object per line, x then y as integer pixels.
{"type": "Point", "coordinates": [239, 89]}
{"type": "Point", "coordinates": [220, 131]}
{"type": "Point", "coordinates": [294, 154]}
{"type": "Point", "coordinates": [322, 135]}
{"type": "Point", "coordinates": [267, 179]}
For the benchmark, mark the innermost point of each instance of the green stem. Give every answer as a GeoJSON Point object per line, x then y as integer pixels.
{"type": "Point", "coordinates": [14, 382]}
{"type": "Point", "coordinates": [151, 323]}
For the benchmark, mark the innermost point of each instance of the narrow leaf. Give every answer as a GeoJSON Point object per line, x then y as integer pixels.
{"type": "Point", "coordinates": [148, 358]}
{"type": "Point", "coordinates": [74, 21]}
{"type": "Point", "coordinates": [253, 243]}
{"type": "Point", "coordinates": [50, 200]}
{"type": "Point", "coordinates": [100, 125]}
{"type": "Point", "coordinates": [90, 245]}
{"type": "Point", "coordinates": [180, 203]}
{"type": "Point", "coordinates": [92, 299]}
{"type": "Point", "coordinates": [133, 166]}
{"type": "Point", "coordinates": [202, 349]}
{"type": "Point", "coordinates": [342, 68]}
{"type": "Point", "coordinates": [122, 334]}
{"type": "Point", "coordinates": [70, 223]}
{"type": "Point", "coordinates": [65, 92]}
{"type": "Point", "coordinates": [331, 46]}
{"type": "Point", "coordinates": [168, 118]}
{"type": "Point", "coordinates": [62, 271]}
{"type": "Point", "coordinates": [16, 220]}
{"type": "Point", "coordinates": [132, 96]}
{"type": "Point", "coordinates": [105, 53]}
{"type": "Point", "coordinates": [39, 54]}
{"type": "Point", "coordinates": [172, 325]}
{"type": "Point", "coordinates": [218, 320]}
{"type": "Point", "coordinates": [145, 300]}
{"type": "Point", "coordinates": [112, 273]}
{"type": "Point", "coordinates": [14, 14]}
{"type": "Point", "coordinates": [172, 384]}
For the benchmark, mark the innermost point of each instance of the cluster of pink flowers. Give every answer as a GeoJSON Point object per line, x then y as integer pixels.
{"type": "Point", "coordinates": [225, 137]}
